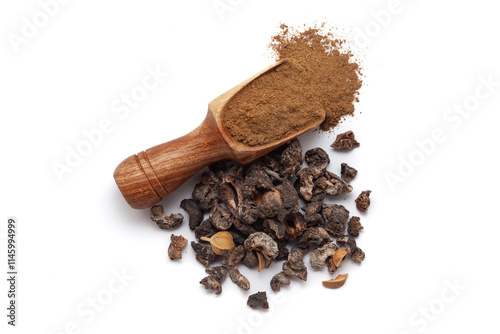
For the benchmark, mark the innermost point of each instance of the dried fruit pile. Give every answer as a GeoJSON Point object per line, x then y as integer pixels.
{"type": "Point", "coordinates": [254, 216]}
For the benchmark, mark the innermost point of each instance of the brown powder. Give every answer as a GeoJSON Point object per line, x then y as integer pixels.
{"type": "Point", "coordinates": [319, 77]}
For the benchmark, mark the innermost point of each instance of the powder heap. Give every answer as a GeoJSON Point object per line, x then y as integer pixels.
{"type": "Point", "coordinates": [319, 78]}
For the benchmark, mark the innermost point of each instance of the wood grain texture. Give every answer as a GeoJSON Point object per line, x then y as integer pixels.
{"type": "Point", "coordinates": [146, 178]}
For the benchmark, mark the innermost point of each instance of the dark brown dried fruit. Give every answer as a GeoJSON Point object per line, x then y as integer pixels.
{"type": "Point", "coordinates": [336, 217]}
{"type": "Point", "coordinates": [275, 228]}
{"type": "Point", "coordinates": [157, 214]}
{"type": "Point", "coordinates": [314, 236]}
{"type": "Point", "coordinates": [289, 199]}
{"type": "Point", "coordinates": [221, 218]}
{"type": "Point", "coordinates": [296, 261]}
{"type": "Point", "coordinates": [211, 283]}
{"type": "Point", "coordinates": [177, 243]}
{"type": "Point", "coordinates": [347, 172]}
{"type": "Point", "coordinates": [204, 253]}
{"type": "Point", "coordinates": [205, 229]}
{"type": "Point", "coordinates": [345, 141]}
{"type": "Point", "coordinates": [317, 159]}
{"type": "Point", "coordinates": [238, 278]}
{"type": "Point", "coordinates": [295, 227]}
{"type": "Point", "coordinates": [358, 255]}
{"type": "Point", "coordinates": [330, 264]}
{"type": "Point", "coordinates": [299, 273]}
{"type": "Point", "coordinates": [261, 242]}
{"type": "Point", "coordinates": [363, 201]}
{"type": "Point", "coordinates": [320, 254]}
{"type": "Point", "coordinates": [250, 260]}
{"type": "Point", "coordinates": [271, 203]}
{"type": "Point", "coordinates": [278, 280]}
{"type": "Point", "coordinates": [207, 191]}
{"type": "Point", "coordinates": [332, 184]}
{"type": "Point", "coordinates": [258, 300]}
{"type": "Point", "coordinates": [306, 183]}
{"type": "Point", "coordinates": [354, 226]}
{"type": "Point", "coordinates": [282, 250]}
{"type": "Point", "coordinates": [234, 256]}
{"type": "Point", "coordinates": [219, 273]}
{"type": "Point", "coordinates": [194, 212]}
{"type": "Point", "coordinates": [291, 159]}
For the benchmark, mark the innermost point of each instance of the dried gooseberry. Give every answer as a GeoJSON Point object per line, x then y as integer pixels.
{"type": "Point", "coordinates": [221, 242]}
{"type": "Point", "coordinates": [335, 283]}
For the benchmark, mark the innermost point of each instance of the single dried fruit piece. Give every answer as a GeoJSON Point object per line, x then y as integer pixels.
{"type": "Point", "coordinates": [363, 200]}
{"type": "Point", "coordinates": [358, 255]}
{"type": "Point", "coordinates": [347, 172]}
{"type": "Point", "coordinates": [314, 236]}
{"type": "Point", "coordinates": [221, 242]}
{"type": "Point", "coordinates": [258, 300]}
{"type": "Point", "coordinates": [354, 226]}
{"type": "Point", "coordinates": [204, 253]}
{"type": "Point", "coordinates": [330, 265]}
{"type": "Point", "coordinates": [264, 245]}
{"type": "Point", "coordinates": [320, 254]}
{"type": "Point", "coordinates": [194, 212]}
{"type": "Point", "coordinates": [345, 141]}
{"type": "Point", "coordinates": [336, 217]}
{"type": "Point", "coordinates": [211, 283]}
{"type": "Point", "coordinates": [238, 278]}
{"type": "Point", "coordinates": [317, 159]}
{"type": "Point", "coordinates": [234, 256]}
{"type": "Point", "coordinates": [219, 273]}
{"type": "Point", "coordinates": [335, 283]}
{"type": "Point", "coordinates": [221, 218]}
{"type": "Point", "coordinates": [291, 159]}
{"type": "Point", "coordinates": [278, 280]}
{"type": "Point", "coordinates": [205, 229]}
{"type": "Point", "coordinates": [339, 256]}
{"type": "Point", "coordinates": [157, 214]}
{"type": "Point", "coordinates": [177, 243]}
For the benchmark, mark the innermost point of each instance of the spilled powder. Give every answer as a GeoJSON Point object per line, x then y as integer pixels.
{"type": "Point", "coordinates": [319, 77]}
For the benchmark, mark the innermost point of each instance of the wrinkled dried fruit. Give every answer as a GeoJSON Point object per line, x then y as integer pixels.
{"type": "Point", "coordinates": [250, 260]}
{"type": "Point", "coordinates": [221, 242]}
{"type": "Point", "coordinates": [194, 212]}
{"type": "Point", "coordinates": [207, 191]}
{"type": "Point", "coordinates": [278, 280]}
{"type": "Point", "coordinates": [205, 229]}
{"type": "Point", "coordinates": [358, 255]}
{"type": "Point", "coordinates": [347, 172]}
{"type": "Point", "coordinates": [165, 222]}
{"type": "Point", "coordinates": [234, 256]}
{"type": "Point", "coordinates": [258, 300]}
{"type": "Point", "coordinates": [354, 226]}
{"type": "Point", "coordinates": [339, 256]}
{"type": "Point", "coordinates": [238, 278]}
{"type": "Point", "coordinates": [219, 273]}
{"type": "Point", "coordinates": [275, 228]}
{"type": "Point", "coordinates": [263, 243]}
{"type": "Point", "coordinates": [177, 243]}
{"type": "Point", "coordinates": [221, 218]}
{"type": "Point", "coordinates": [363, 201]}
{"type": "Point", "coordinates": [317, 159]}
{"type": "Point", "coordinates": [299, 273]}
{"type": "Point", "coordinates": [320, 254]}
{"type": "Point", "coordinates": [211, 283]}
{"type": "Point", "coordinates": [335, 217]}
{"type": "Point", "coordinates": [345, 141]}
{"type": "Point", "coordinates": [314, 236]}
{"type": "Point", "coordinates": [335, 283]}
{"type": "Point", "coordinates": [289, 199]}
{"type": "Point", "coordinates": [291, 159]}
{"type": "Point", "coordinates": [204, 253]}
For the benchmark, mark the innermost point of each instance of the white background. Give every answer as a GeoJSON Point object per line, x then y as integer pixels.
{"type": "Point", "coordinates": [438, 227]}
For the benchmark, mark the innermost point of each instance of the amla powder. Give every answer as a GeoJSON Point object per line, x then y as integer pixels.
{"type": "Point", "coordinates": [319, 78]}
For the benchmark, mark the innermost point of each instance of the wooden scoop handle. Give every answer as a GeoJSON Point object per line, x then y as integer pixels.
{"type": "Point", "coordinates": [144, 179]}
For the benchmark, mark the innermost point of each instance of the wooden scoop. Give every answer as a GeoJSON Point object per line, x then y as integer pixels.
{"type": "Point", "coordinates": [146, 178]}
